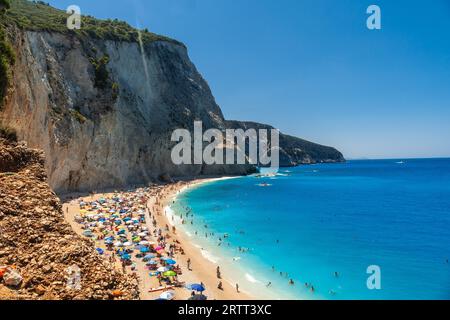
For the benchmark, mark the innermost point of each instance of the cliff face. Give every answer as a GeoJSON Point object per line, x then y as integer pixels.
{"type": "Point", "coordinates": [103, 111]}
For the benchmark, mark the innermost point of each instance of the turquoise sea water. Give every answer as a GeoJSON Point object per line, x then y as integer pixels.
{"type": "Point", "coordinates": [317, 220]}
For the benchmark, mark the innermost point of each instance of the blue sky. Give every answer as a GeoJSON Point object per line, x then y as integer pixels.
{"type": "Point", "coordinates": [312, 69]}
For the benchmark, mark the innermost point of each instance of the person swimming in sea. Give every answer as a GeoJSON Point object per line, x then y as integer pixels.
{"type": "Point", "coordinates": [268, 285]}
{"type": "Point", "coordinates": [291, 282]}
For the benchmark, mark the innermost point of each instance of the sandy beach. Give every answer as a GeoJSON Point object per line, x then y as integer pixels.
{"type": "Point", "coordinates": [201, 269]}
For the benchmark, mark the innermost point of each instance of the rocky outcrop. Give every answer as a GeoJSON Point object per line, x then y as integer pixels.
{"type": "Point", "coordinates": [103, 111]}
{"type": "Point", "coordinates": [38, 247]}
{"type": "Point", "coordinates": [294, 151]}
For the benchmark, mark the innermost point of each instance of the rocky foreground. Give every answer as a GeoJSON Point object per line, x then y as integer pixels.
{"type": "Point", "coordinates": [39, 252]}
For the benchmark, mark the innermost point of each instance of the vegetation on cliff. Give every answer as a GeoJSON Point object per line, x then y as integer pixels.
{"type": "Point", "coordinates": [7, 57]}
{"type": "Point", "coordinates": [39, 16]}
{"type": "Point", "coordinates": [5, 5]}
{"type": "Point", "coordinates": [101, 72]}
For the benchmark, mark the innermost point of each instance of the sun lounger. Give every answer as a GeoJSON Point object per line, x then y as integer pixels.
{"type": "Point", "coordinates": [161, 289]}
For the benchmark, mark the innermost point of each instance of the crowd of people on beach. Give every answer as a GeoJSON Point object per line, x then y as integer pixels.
{"type": "Point", "coordinates": [128, 236]}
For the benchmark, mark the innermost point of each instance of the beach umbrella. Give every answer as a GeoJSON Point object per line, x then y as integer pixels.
{"type": "Point", "coordinates": [118, 244]}
{"type": "Point", "coordinates": [151, 263]}
{"type": "Point", "coordinates": [171, 273]}
{"type": "Point", "coordinates": [171, 262]}
{"type": "Point", "coordinates": [196, 287]}
{"type": "Point", "coordinates": [127, 244]}
{"type": "Point", "coordinates": [109, 242]}
{"type": "Point", "coordinates": [100, 251]}
{"type": "Point", "coordinates": [162, 269]}
{"type": "Point", "coordinates": [168, 295]}
{"type": "Point", "coordinates": [126, 256]}
{"type": "Point", "coordinates": [144, 243]}
{"type": "Point", "coordinates": [158, 248]}
{"type": "Point", "coordinates": [142, 234]}
{"type": "Point", "coordinates": [198, 297]}
{"type": "Point", "coordinates": [144, 250]}
{"type": "Point", "coordinates": [148, 257]}
{"type": "Point", "coordinates": [88, 233]}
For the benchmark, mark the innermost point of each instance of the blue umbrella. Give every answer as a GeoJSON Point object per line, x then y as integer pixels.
{"type": "Point", "coordinates": [144, 250]}
{"type": "Point", "coordinates": [100, 251]}
{"type": "Point", "coordinates": [196, 287]}
{"type": "Point", "coordinates": [170, 261]}
{"type": "Point", "coordinates": [126, 257]}
{"type": "Point", "coordinates": [148, 257]}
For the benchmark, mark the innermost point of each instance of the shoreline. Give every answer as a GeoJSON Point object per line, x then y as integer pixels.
{"type": "Point", "coordinates": [159, 198]}
{"type": "Point", "coordinates": [203, 268]}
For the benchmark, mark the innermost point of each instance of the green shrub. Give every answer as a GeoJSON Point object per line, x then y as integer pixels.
{"type": "Point", "coordinates": [7, 58]}
{"type": "Point", "coordinates": [101, 72]}
{"type": "Point", "coordinates": [115, 90]}
{"type": "Point", "coordinates": [5, 5]}
{"type": "Point", "coordinates": [78, 116]}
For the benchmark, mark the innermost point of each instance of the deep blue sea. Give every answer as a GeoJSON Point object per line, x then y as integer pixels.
{"type": "Point", "coordinates": [313, 221]}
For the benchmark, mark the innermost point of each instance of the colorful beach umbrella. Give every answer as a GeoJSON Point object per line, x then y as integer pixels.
{"type": "Point", "coordinates": [171, 262]}
{"type": "Point", "coordinates": [148, 257]}
{"type": "Point", "coordinates": [168, 295]}
{"type": "Point", "coordinates": [171, 273]}
{"type": "Point", "coordinates": [126, 257]}
{"type": "Point", "coordinates": [196, 287]}
{"type": "Point", "coordinates": [144, 250]}
{"type": "Point", "coordinates": [162, 269]}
